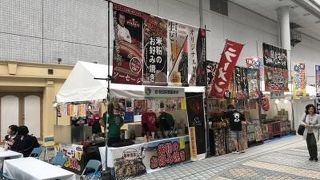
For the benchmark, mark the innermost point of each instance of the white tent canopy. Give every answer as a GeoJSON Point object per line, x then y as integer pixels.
{"type": "Point", "coordinates": [81, 85]}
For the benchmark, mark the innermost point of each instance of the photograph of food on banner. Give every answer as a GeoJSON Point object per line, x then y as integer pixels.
{"type": "Point", "coordinates": [127, 54]}
{"type": "Point", "coordinates": [134, 160]}
{"type": "Point", "coordinates": [276, 79]}
{"type": "Point", "coordinates": [178, 52]}
{"type": "Point", "coordinates": [155, 51]}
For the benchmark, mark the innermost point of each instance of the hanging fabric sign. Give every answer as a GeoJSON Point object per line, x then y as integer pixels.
{"type": "Point", "coordinates": [178, 53]}
{"type": "Point", "coordinates": [127, 53]}
{"type": "Point", "coordinates": [253, 83]}
{"type": "Point", "coordinates": [318, 80]}
{"type": "Point", "coordinates": [299, 80]}
{"type": "Point", "coordinates": [228, 60]}
{"type": "Point", "coordinates": [197, 121]}
{"type": "Point", "coordinates": [276, 69]}
{"type": "Point", "coordinates": [211, 68]}
{"type": "Point", "coordinates": [155, 51]}
{"type": "Point", "coordinates": [241, 83]}
{"type": "Point", "coordinates": [197, 62]}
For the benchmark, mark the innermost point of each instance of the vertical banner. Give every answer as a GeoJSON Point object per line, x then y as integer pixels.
{"type": "Point", "coordinates": [275, 68]}
{"type": "Point", "coordinates": [241, 83]}
{"type": "Point", "coordinates": [197, 62]}
{"type": "Point", "coordinates": [155, 51]}
{"type": "Point", "coordinates": [202, 57]}
{"type": "Point", "coordinates": [228, 60]}
{"type": "Point", "coordinates": [178, 54]}
{"type": "Point", "coordinates": [127, 54]}
{"type": "Point", "coordinates": [193, 59]}
{"type": "Point", "coordinates": [196, 120]}
{"type": "Point", "coordinates": [318, 80]}
{"type": "Point", "coordinates": [253, 83]}
{"type": "Point", "coordinates": [211, 68]}
{"type": "Point", "coordinates": [299, 80]}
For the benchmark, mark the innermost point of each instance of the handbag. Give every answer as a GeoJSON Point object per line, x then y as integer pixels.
{"type": "Point", "coordinates": [301, 129]}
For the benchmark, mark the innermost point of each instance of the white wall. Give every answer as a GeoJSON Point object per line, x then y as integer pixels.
{"type": "Point", "coordinates": [77, 30]}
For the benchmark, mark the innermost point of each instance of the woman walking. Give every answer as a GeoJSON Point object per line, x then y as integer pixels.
{"type": "Point", "coordinates": [311, 121]}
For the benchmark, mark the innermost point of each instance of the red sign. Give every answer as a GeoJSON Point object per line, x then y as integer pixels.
{"type": "Point", "coordinates": [229, 58]}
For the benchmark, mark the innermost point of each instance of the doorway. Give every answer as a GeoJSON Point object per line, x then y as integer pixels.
{"type": "Point", "coordinates": [21, 109]}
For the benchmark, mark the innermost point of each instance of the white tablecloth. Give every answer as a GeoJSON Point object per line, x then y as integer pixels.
{"type": "Point", "coordinates": [32, 168]}
{"type": "Point", "coordinates": [9, 154]}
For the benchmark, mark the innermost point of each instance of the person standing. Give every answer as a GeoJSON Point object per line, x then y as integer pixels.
{"type": "Point", "coordinates": [114, 121]}
{"type": "Point", "coordinates": [148, 120]}
{"type": "Point", "coordinates": [236, 119]}
{"type": "Point", "coordinates": [311, 121]}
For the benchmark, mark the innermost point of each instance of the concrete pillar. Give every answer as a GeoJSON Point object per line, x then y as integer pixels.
{"type": "Point", "coordinates": [285, 42]}
{"type": "Point", "coordinates": [284, 25]}
{"type": "Point", "coordinates": [284, 33]}
{"type": "Point", "coordinates": [49, 115]}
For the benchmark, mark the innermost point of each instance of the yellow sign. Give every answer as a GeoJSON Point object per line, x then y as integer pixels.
{"type": "Point", "coordinates": [182, 143]}
{"type": "Point", "coordinates": [193, 143]}
{"type": "Point", "coordinates": [183, 104]}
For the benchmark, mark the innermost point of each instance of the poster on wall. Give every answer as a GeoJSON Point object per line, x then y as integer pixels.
{"type": "Point", "coordinates": [73, 154]}
{"type": "Point", "coordinates": [127, 53]}
{"type": "Point", "coordinates": [275, 68]}
{"type": "Point", "coordinates": [178, 53]}
{"type": "Point", "coordinates": [138, 159]}
{"type": "Point", "coordinates": [228, 60]}
{"type": "Point", "coordinates": [155, 51]}
{"type": "Point", "coordinates": [318, 80]}
{"type": "Point", "coordinates": [299, 80]}
{"type": "Point", "coordinates": [196, 120]}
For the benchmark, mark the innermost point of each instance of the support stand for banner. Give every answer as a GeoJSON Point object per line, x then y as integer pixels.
{"type": "Point", "coordinates": [107, 173]}
{"type": "Point", "coordinates": [206, 108]}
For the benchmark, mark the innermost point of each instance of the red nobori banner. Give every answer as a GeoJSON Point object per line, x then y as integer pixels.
{"type": "Point", "coordinates": [228, 60]}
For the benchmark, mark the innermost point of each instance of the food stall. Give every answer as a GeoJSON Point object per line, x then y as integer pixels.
{"type": "Point", "coordinates": [79, 94]}
{"type": "Point", "coordinates": [136, 99]}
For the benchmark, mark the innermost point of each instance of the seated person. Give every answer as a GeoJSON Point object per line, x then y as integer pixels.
{"type": "Point", "coordinates": [12, 138]}
{"type": "Point", "coordinates": [27, 142]}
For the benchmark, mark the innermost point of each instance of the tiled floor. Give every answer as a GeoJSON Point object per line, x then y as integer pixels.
{"type": "Point", "coordinates": [285, 158]}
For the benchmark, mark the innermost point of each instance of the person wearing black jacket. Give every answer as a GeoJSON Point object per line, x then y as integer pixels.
{"type": "Point", "coordinates": [27, 142]}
